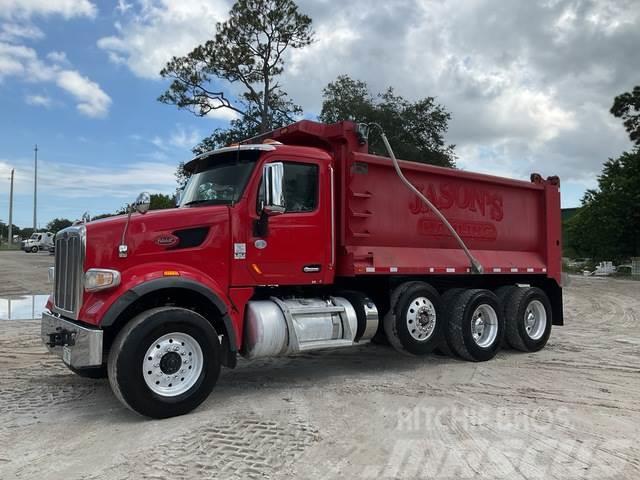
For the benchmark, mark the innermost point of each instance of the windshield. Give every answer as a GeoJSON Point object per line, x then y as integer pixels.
{"type": "Point", "coordinates": [35, 236]}
{"type": "Point", "coordinates": [219, 180]}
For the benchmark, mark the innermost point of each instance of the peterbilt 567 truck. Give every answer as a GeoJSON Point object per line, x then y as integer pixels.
{"type": "Point", "coordinates": [300, 240]}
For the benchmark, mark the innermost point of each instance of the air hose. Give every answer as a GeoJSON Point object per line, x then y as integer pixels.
{"type": "Point", "coordinates": [475, 265]}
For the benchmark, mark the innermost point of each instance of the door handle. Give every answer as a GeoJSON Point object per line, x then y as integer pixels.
{"type": "Point", "coordinates": [311, 268]}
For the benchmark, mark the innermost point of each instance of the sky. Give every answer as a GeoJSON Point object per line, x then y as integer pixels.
{"type": "Point", "coordinates": [528, 83]}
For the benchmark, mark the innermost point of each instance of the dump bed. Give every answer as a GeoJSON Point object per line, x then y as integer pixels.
{"type": "Point", "coordinates": [511, 226]}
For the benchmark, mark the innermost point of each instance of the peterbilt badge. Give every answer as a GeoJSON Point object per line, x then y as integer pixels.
{"type": "Point", "coordinates": [167, 240]}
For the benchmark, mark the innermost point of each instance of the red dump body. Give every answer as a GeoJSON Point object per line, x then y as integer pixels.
{"type": "Point", "coordinates": [510, 226]}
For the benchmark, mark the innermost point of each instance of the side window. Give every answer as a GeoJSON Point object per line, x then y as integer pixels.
{"type": "Point", "coordinates": [300, 188]}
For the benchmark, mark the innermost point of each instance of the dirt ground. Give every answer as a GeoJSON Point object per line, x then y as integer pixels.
{"type": "Point", "coordinates": [570, 411]}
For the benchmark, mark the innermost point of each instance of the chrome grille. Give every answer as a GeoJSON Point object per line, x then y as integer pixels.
{"type": "Point", "coordinates": [69, 261]}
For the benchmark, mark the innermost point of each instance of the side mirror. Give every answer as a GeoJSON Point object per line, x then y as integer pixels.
{"type": "Point", "coordinates": [142, 203]}
{"type": "Point", "coordinates": [273, 178]}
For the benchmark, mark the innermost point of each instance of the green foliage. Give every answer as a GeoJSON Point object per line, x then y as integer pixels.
{"type": "Point", "coordinates": [58, 224]}
{"type": "Point", "coordinates": [415, 129]}
{"type": "Point", "coordinates": [160, 201]}
{"type": "Point", "coordinates": [607, 227]}
{"type": "Point", "coordinates": [246, 54]}
{"type": "Point", "coordinates": [627, 107]}
{"type": "Point", "coordinates": [4, 230]}
{"type": "Point", "coordinates": [25, 232]}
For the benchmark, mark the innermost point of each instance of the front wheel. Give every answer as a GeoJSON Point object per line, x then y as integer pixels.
{"type": "Point", "coordinates": [164, 362]}
{"type": "Point", "coordinates": [34, 249]}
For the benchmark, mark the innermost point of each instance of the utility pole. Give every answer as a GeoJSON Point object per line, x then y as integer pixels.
{"type": "Point", "coordinates": [35, 190]}
{"type": "Point", "coordinates": [11, 210]}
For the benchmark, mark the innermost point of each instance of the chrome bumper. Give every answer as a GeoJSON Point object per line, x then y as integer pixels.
{"type": "Point", "coordinates": [78, 346]}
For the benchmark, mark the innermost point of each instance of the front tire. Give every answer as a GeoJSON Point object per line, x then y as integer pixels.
{"type": "Point", "coordinates": [34, 249]}
{"type": "Point", "coordinates": [164, 362]}
{"type": "Point", "coordinates": [413, 324]}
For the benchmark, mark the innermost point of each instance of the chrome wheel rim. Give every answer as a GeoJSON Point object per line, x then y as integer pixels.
{"type": "Point", "coordinates": [484, 325]}
{"type": "Point", "coordinates": [535, 320]}
{"type": "Point", "coordinates": [172, 364]}
{"type": "Point", "coordinates": [421, 319]}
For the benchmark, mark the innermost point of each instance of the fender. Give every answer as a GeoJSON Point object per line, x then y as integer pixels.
{"type": "Point", "coordinates": [144, 288]}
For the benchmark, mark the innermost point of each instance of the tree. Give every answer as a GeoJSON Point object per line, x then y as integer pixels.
{"type": "Point", "coordinates": [415, 129]}
{"type": "Point", "coordinates": [627, 107]}
{"type": "Point", "coordinates": [246, 55]}
{"type": "Point", "coordinates": [607, 227]}
{"type": "Point", "coordinates": [160, 201]}
{"type": "Point", "coordinates": [58, 224]}
{"type": "Point", "coordinates": [4, 230]}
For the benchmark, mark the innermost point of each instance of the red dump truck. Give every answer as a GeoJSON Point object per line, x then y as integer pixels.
{"type": "Point", "coordinates": [301, 240]}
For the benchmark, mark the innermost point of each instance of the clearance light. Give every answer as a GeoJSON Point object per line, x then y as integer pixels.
{"type": "Point", "coordinates": [171, 273]}
{"type": "Point", "coordinates": [100, 279]}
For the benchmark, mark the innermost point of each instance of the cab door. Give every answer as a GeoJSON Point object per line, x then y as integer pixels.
{"type": "Point", "coordinates": [294, 247]}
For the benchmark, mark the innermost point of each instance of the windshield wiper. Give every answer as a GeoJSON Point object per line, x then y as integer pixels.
{"type": "Point", "coordinates": [213, 201]}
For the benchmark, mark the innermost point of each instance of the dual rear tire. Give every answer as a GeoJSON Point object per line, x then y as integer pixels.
{"type": "Point", "coordinates": [475, 325]}
{"type": "Point", "coordinates": [470, 323]}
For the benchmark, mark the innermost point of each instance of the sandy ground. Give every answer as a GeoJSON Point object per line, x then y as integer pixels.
{"type": "Point", "coordinates": [570, 411]}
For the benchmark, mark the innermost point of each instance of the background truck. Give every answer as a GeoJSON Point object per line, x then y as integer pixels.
{"type": "Point", "coordinates": [38, 241]}
{"type": "Point", "coordinates": [300, 240]}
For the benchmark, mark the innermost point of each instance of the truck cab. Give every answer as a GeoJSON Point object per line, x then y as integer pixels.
{"type": "Point", "coordinates": [38, 241]}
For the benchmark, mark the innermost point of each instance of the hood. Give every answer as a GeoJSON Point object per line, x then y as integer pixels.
{"type": "Point", "coordinates": [154, 235]}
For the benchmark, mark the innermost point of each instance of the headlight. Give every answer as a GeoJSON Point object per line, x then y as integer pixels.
{"type": "Point", "coordinates": [100, 279]}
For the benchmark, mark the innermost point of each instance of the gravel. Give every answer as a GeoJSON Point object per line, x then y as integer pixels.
{"type": "Point", "coordinates": [567, 412]}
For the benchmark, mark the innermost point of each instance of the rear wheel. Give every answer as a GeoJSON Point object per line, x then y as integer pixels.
{"type": "Point", "coordinates": [164, 362]}
{"type": "Point", "coordinates": [475, 325]}
{"type": "Point", "coordinates": [529, 318]}
{"type": "Point", "coordinates": [413, 324]}
{"type": "Point", "coordinates": [448, 300]}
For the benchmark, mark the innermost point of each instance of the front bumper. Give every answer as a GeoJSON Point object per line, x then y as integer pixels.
{"type": "Point", "coordinates": [77, 345]}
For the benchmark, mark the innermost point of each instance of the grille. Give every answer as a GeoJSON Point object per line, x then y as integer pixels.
{"type": "Point", "coordinates": [69, 259]}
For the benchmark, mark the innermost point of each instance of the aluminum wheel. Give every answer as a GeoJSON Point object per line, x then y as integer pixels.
{"type": "Point", "coordinates": [421, 318]}
{"type": "Point", "coordinates": [535, 319]}
{"type": "Point", "coordinates": [484, 325]}
{"type": "Point", "coordinates": [172, 364]}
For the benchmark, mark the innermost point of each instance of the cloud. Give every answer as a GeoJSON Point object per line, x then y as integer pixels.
{"type": "Point", "coordinates": [92, 101]}
{"type": "Point", "coordinates": [58, 57]}
{"type": "Point", "coordinates": [181, 137]}
{"type": "Point", "coordinates": [90, 181]}
{"type": "Point", "coordinates": [19, 31]}
{"type": "Point", "coordinates": [98, 189]}
{"type": "Point", "coordinates": [22, 61]}
{"type": "Point", "coordinates": [155, 30]}
{"type": "Point", "coordinates": [29, 8]}
{"type": "Point", "coordinates": [529, 84]}
{"type": "Point", "coordinates": [224, 114]}
{"type": "Point", "coordinates": [38, 100]}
